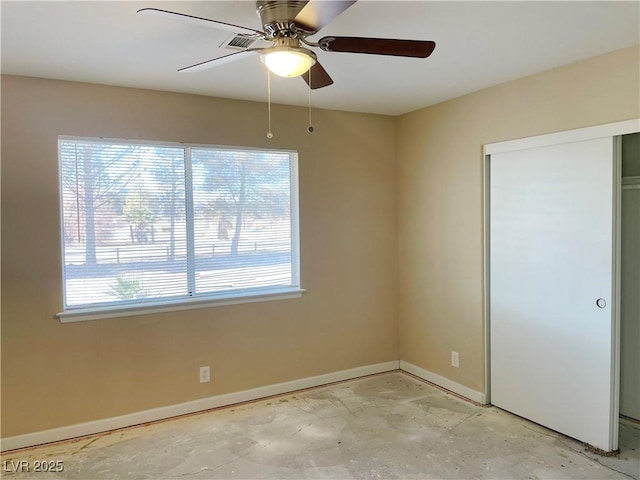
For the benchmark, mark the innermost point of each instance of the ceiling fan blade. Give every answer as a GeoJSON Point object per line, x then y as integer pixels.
{"type": "Point", "coordinates": [378, 46]}
{"type": "Point", "coordinates": [319, 77]}
{"type": "Point", "coordinates": [205, 22]}
{"type": "Point", "coordinates": [319, 13]}
{"type": "Point", "coordinates": [216, 62]}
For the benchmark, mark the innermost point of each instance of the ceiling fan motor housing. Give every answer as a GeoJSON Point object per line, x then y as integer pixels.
{"type": "Point", "coordinates": [276, 17]}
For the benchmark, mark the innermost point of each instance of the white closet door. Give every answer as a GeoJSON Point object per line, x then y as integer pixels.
{"type": "Point", "coordinates": [551, 269]}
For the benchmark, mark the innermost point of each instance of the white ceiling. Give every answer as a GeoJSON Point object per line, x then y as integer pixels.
{"type": "Point", "coordinates": [479, 44]}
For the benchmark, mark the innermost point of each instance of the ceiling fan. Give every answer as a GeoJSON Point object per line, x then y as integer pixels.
{"type": "Point", "coordinates": [288, 23]}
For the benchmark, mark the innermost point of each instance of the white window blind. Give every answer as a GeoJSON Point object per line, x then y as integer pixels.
{"type": "Point", "coordinates": [147, 224]}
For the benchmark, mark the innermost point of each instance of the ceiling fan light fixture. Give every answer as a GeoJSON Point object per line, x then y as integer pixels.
{"type": "Point", "coordinates": [288, 61]}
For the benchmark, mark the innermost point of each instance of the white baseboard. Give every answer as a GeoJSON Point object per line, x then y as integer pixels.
{"type": "Point", "coordinates": [443, 382]}
{"type": "Point", "coordinates": [161, 413]}
{"type": "Point", "coordinates": [98, 426]}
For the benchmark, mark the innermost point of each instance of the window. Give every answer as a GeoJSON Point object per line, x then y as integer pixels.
{"type": "Point", "coordinates": [153, 225]}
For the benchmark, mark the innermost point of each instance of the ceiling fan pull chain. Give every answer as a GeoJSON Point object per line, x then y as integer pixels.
{"type": "Point", "coordinates": [269, 133]}
{"type": "Point", "coordinates": [310, 127]}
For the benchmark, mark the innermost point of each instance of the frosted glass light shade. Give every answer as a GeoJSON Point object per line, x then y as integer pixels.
{"type": "Point", "coordinates": [288, 62]}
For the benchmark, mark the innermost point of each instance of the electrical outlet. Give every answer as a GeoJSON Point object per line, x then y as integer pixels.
{"type": "Point", "coordinates": [455, 359]}
{"type": "Point", "coordinates": [205, 374]}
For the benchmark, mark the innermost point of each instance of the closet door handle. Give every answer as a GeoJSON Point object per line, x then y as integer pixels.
{"type": "Point", "coordinates": [601, 303]}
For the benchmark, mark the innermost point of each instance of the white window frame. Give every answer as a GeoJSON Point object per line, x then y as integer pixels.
{"type": "Point", "coordinates": [249, 295]}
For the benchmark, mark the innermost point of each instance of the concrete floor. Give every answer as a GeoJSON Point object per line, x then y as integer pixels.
{"type": "Point", "coordinates": [386, 426]}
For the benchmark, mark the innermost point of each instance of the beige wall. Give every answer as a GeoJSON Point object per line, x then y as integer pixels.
{"type": "Point", "coordinates": [440, 195]}
{"type": "Point", "coordinates": [57, 374]}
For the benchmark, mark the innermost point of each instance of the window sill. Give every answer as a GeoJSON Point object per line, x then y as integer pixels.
{"type": "Point", "coordinates": [85, 314]}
